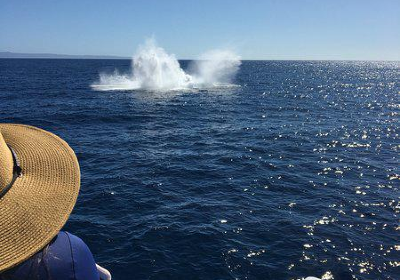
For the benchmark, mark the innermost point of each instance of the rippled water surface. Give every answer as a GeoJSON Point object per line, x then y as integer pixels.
{"type": "Point", "coordinates": [294, 172]}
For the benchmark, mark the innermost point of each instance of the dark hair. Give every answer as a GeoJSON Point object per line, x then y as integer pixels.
{"type": "Point", "coordinates": [37, 268]}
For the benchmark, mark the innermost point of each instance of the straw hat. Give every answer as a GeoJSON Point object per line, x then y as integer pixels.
{"type": "Point", "coordinates": [39, 185]}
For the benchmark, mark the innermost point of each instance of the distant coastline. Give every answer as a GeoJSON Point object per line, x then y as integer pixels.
{"type": "Point", "coordinates": [57, 56]}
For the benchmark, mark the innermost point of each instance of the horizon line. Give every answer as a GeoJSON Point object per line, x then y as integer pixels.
{"type": "Point", "coordinates": [21, 55]}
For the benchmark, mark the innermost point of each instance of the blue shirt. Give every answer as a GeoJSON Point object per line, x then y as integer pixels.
{"type": "Point", "coordinates": [66, 258]}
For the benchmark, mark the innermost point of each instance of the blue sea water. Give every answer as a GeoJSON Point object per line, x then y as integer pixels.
{"type": "Point", "coordinates": [293, 173]}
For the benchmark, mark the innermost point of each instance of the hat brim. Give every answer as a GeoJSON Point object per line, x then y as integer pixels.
{"type": "Point", "coordinates": [41, 200]}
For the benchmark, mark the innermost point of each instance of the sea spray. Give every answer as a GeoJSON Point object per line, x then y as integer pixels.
{"type": "Point", "coordinates": [215, 68]}
{"type": "Point", "coordinates": [154, 69]}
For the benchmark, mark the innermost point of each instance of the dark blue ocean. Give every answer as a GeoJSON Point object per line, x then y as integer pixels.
{"type": "Point", "coordinates": [292, 173]}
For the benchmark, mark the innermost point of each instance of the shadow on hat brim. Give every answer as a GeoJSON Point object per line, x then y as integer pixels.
{"type": "Point", "coordinates": [41, 200]}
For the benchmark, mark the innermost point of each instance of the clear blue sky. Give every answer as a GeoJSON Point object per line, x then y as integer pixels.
{"type": "Point", "coordinates": [256, 29]}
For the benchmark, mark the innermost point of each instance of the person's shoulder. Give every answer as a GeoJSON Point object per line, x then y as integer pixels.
{"type": "Point", "coordinates": [77, 245]}
{"type": "Point", "coordinates": [82, 258]}
{"type": "Point", "coordinates": [74, 240]}
{"type": "Point", "coordinates": [68, 242]}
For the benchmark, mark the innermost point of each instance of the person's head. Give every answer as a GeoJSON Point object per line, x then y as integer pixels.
{"type": "Point", "coordinates": [39, 185]}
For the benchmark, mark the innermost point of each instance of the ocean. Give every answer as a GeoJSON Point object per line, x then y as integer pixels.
{"type": "Point", "coordinates": [291, 171]}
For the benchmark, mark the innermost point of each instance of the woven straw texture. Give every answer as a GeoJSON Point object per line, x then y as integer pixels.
{"type": "Point", "coordinates": [40, 201]}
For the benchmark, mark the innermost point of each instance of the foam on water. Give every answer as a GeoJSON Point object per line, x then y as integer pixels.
{"type": "Point", "coordinates": [154, 69]}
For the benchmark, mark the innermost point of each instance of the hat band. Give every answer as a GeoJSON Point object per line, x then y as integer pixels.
{"type": "Point", "coordinates": [17, 170]}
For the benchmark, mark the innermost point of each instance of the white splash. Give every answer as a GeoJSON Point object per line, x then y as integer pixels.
{"type": "Point", "coordinates": [215, 67]}
{"type": "Point", "coordinates": [154, 69]}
